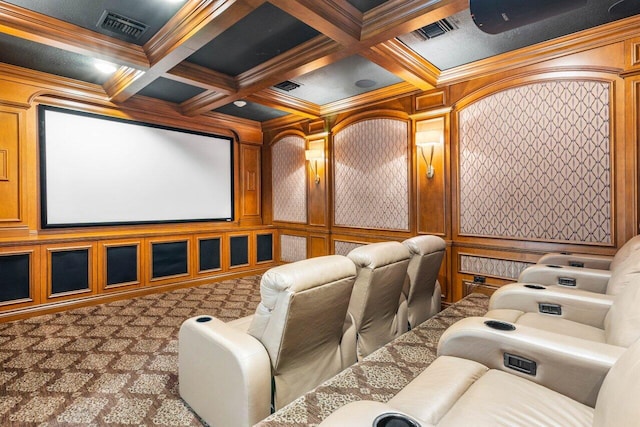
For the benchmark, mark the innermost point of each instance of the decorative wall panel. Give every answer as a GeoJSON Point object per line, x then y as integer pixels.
{"type": "Point", "coordinates": [371, 178]}
{"type": "Point", "coordinates": [343, 248]}
{"type": "Point", "coordinates": [292, 248]}
{"type": "Point", "coordinates": [535, 163]}
{"type": "Point", "coordinates": [503, 268]}
{"type": "Point", "coordinates": [289, 180]}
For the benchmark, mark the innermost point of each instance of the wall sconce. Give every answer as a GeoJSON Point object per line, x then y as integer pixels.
{"type": "Point", "coordinates": [314, 156]}
{"type": "Point", "coordinates": [428, 138]}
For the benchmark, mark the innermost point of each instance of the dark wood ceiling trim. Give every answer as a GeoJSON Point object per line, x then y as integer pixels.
{"type": "Point", "coordinates": [397, 58]}
{"type": "Point", "coordinates": [196, 75]}
{"type": "Point", "coordinates": [18, 22]}
{"type": "Point", "coordinates": [201, 103]}
{"type": "Point", "coordinates": [396, 17]}
{"type": "Point", "coordinates": [120, 86]}
{"type": "Point", "coordinates": [284, 121]}
{"type": "Point", "coordinates": [369, 98]}
{"type": "Point", "coordinates": [337, 19]}
{"type": "Point", "coordinates": [573, 43]}
{"type": "Point", "coordinates": [273, 98]}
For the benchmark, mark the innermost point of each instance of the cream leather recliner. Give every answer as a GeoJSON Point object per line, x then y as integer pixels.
{"type": "Point", "coordinates": [456, 392]}
{"type": "Point", "coordinates": [378, 306]}
{"type": "Point", "coordinates": [424, 293]}
{"type": "Point", "coordinates": [607, 318]}
{"type": "Point", "coordinates": [587, 272]}
{"type": "Point", "coordinates": [300, 335]}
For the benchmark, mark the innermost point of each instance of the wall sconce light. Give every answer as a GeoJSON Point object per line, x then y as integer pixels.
{"type": "Point", "coordinates": [314, 156]}
{"type": "Point", "coordinates": [428, 138]}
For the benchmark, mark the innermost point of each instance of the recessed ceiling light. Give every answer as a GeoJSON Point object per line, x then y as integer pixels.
{"type": "Point", "coordinates": [240, 103]}
{"type": "Point", "coordinates": [364, 83]}
{"type": "Point", "coordinates": [105, 67]}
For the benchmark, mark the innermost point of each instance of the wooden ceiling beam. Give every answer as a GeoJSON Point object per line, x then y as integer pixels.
{"type": "Point", "coordinates": [400, 60]}
{"type": "Point", "coordinates": [281, 101]}
{"type": "Point", "coordinates": [36, 27]}
{"type": "Point", "coordinates": [195, 25]}
{"type": "Point", "coordinates": [205, 78]}
{"type": "Point", "coordinates": [337, 19]}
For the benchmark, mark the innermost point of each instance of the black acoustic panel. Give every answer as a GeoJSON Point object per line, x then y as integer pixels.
{"type": "Point", "coordinates": [209, 254]}
{"type": "Point", "coordinates": [169, 259]}
{"type": "Point", "coordinates": [265, 247]}
{"type": "Point", "coordinates": [69, 271]}
{"type": "Point", "coordinates": [122, 264]}
{"type": "Point", "coordinates": [239, 246]}
{"type": "Point", "coordinates": [14, 277]}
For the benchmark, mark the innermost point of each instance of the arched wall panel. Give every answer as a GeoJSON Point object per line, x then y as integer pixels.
{"type": "Point", "coordinates": [289, 181]}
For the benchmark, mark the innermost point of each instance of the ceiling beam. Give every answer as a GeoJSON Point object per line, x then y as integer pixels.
{"type": "Point", "coordinates": [36, 27]}
{"type": "Point", "coordinates": [205, 78]}
{"type": "Point", "coordinates": [195, 25]}
{"type": "Point", "coordinates": [281, 101]}
{"type": "Point", "coordinates": [400, 60]}
{"type": "Point", "coordinates": [369, 98]}
{"type": "Point", "coordinates": [337, 19]}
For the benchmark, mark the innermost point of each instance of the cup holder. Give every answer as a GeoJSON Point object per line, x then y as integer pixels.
{"type": "Point", "coordinates": [534, 287]}
{"type": "Point", "coordinates": [393, 419]}
{"type": "Point", "coordinates": [554, 266]}
{"type": "Point", "coordinates": [204, 319]}
{"type": "Point", "coordinates": [501, 326]}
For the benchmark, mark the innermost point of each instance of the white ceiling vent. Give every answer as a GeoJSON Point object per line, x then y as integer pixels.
{"type": "Point", "coordinates": [120, 24]}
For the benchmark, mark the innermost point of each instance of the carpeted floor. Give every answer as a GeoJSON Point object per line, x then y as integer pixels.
{"type": "Point", "coordinates": [116, 364]}
{"type": "Point", "coordinates": [112, 364]}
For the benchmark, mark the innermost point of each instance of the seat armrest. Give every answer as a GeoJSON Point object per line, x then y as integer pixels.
{"type": "Point", "coordinates": [587, 279]}
{"type": "Point", "coordinates": [348, 355]}
{"type": "Point", "coordinates": [362, 414]}
{"type": "Point", "coordinates": [598, 262]}
{"type": "Point", "coordinates": [580, 306]}
{"type": "Point", "coordinates": [224, 374]}
{"type": "Point", "coordinates": [571, 366]}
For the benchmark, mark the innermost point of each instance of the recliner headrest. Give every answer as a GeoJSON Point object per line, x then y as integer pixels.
{"type": "Point", "coordinates": [379, 254]}
{"type": "Point", "coordinates": [425, 244]}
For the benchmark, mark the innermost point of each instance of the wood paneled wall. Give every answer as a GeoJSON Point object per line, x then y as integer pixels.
{"type": "Point", "coordinates": [32, 260]}
{"type": "Point", "coordinates": [474, 262]}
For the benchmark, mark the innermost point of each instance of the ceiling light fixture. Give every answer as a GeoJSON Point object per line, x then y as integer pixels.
{"type": "Point", "coordinates": [239, 103]}
{"type": "Point", "coordinates": [104, 66]}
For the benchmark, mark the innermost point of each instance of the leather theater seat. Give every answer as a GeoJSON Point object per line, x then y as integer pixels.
{"type": "Point", "coordinates": [456, 392]}
{"type": "Point", "coordinates": [424, 294]}
{"type": "Point", "coordinates": [300, 335]}
{"type": "Point", "coordinates": [613, 319]}
{"type": "Point", "coordinates": [586, 272]}
{"type": "Point", "coordinates": [378, 306]}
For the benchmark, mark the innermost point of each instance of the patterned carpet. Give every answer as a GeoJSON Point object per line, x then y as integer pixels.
{"type": "Point", "coordinates": [116, 364]}
{"type": "Point", "coordinates": [112, 364]}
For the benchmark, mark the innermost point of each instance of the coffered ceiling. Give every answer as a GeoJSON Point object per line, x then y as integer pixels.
{"type": "Point", "coordinates": [307, 57]}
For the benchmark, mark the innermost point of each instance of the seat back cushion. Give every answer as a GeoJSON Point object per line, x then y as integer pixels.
{"type": "Point", "coordinates": [300, 322]}
{"type": "Point", "coordinates": [624, 252]}
{"type": "Point", "coordinates": [381, 276]}
{"type": "Point", "coordinates": [426, 257]}
{"type": "Point", "coordinates": [617, 404]}
{"type": "Point", "coordinates": [622, 323]}
{"type": "Point", "coordinates": [620, 277]}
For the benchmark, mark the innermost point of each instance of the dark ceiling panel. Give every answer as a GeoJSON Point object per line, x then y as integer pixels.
{"type": "Point", "coordinates": [338, 81]}
{"type": "Point", "coordinates": [468, 44]}
{"type": "Point", "coordinates": [170, 90]}
{"type": "Point", "coordinates": [366, 5]}
{"type": "Point", "coordinates": [154, 13]}
{"type": "Point", "coordinates": [27, 54]}
{"type": "Point", "coordinates": [263, 34]}
{"type": "Point", "coordinates": [251, 111]}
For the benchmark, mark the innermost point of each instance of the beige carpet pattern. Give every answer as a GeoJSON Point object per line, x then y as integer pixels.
{"type": "Point", "coordinates": [114, 364]}
{"type": "Point", "coordinates": [382, 374]}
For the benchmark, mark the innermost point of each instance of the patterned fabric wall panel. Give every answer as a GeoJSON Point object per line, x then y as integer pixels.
{"type": "Point", "coordinates": [371, 180]}
{"type": "Point", "coordinates": [503, 268]}
{"type": "Point", "coordinates": [293, 248]}
{"type": "Point", "coordinates": [289, 180]}
{"type": "Point", "coordinates": [341, 247]}
{"type": "Point", "coordinates": [535, 163]}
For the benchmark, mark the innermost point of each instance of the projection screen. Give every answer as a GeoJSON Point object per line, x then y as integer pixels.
{"type": "Point", "coordinates": [97, 170]}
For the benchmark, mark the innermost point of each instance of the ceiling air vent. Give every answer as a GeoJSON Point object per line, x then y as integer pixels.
{"type": "Point", "coordinates": [436, 29]}
{"type": "Point", "coordinates": [120, 24]}
{"type": "Point", "coordinates": [287, 85]}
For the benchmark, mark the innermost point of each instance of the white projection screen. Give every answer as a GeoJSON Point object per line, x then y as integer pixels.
{"type": "Point", "coordinates": [97, 170]}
